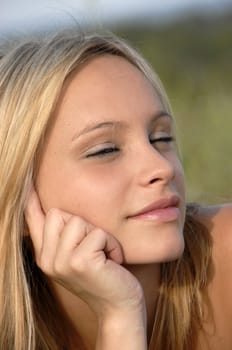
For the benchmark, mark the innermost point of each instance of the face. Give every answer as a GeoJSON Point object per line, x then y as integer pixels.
{"type": "Point", "coordinates": [110, 158]}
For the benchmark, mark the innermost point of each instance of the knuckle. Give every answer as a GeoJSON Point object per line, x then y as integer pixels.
{"type": "Point", "coordinates": [44, 266]}
{"type": "Point", "coordinates": [75, 221]}
{"type": "Point", "coordinates": [101, 234]}
{"type": "Point", "coordinates": [53, 212]}
{"type": "Point", "coordinates": [58, 268]}
{"type": "Point", "coordinates": [44, 263]}
{"type": "Point", "coordinates": [78, 264]}
{"type": "Point", "coordinates": [38, 259]}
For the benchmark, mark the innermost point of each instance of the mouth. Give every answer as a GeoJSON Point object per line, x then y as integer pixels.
{"type": "Point", "coordinates": [165, 209]}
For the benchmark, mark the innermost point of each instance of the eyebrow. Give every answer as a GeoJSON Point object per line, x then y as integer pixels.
{"type": "Point", "coordinates": [120, 124]}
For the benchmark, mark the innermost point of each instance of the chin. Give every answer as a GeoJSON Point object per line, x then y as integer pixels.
{"type": "Point", "coordinates": [156, 253]}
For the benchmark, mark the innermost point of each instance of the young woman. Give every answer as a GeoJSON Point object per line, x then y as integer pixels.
{"type": "Point", "coordinates": [98, 247]}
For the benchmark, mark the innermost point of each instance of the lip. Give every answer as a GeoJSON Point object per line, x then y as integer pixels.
{"type": "Point", "coordinates": [165, 209]}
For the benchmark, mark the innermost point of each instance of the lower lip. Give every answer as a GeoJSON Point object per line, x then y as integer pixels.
{"type": "Point", "coordinates": [164, 215]}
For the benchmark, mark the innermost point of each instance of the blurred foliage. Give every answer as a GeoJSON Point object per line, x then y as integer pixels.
{"type": "Point", "coordinates": [193, 58]}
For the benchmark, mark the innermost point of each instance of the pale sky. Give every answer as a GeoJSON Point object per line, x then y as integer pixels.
{"type": "Point", "coordinates": [21, 14]}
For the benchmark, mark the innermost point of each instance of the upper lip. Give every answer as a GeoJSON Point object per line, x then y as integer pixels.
{"type": "Point", "coordinates": [165, 202]}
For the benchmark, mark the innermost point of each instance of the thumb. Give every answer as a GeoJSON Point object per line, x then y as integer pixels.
{"type": "Point", "coordinates": [113, 249]}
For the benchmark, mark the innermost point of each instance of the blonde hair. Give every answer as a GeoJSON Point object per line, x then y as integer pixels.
{"type": "Point", "coordinates": [32, 75]}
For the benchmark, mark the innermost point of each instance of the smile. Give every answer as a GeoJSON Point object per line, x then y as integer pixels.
{"type": "Point", "coordinates": [164, 210]}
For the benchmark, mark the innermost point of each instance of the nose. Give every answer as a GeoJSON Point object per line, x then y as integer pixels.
{"type": "Point", "coordinates": [154, 166]}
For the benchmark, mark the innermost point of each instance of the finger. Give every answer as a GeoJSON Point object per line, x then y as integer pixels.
{"type": "Point", "coordinates": [75, 230]}
{"type": "Point", "coordinates": [40, 225]}
{"type": "Point", "coordinates": [100, 241]}
{"type": "Point", "coordinates": [55, 222]}
{"type": "Point", "coordinates": [53, 226]}
{"type": "Point", "coordinates": [113, 249]}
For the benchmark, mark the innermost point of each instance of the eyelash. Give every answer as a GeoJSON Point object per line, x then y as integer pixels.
{"type": "Point", "coordinates": [167, 139]}
{"type": "Point", "coordinates": [103, 152]}
{"type": "Point", "coordinates": [109, 150]}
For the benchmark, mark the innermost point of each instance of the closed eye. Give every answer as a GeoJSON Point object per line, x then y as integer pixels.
{"type": "Point", "coordinates": [103, 152]}
{"type": "Point", "coordinates": [166, 139]}
{"type": "Point", "coordinates": [163, 143]}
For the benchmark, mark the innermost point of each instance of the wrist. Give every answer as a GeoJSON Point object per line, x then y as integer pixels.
{"type": "Point", "coordinates": [123, 328]}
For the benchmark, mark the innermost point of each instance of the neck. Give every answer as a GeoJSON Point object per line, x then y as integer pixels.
{"type": "Point", "coordinates": [76, 309]}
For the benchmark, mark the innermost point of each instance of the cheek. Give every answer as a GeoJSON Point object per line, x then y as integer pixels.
{"type": "Point", "coordinates": [94, 199]}
{"type": "Point", "coordinates": [93, 195]}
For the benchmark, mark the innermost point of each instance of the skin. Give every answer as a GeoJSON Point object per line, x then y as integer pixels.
{"type": "Point", "coordinates": [100, 258]}
{"type": "Point", "coordinates": [105, 190]}
{"type": "Point", "coordinates": [94, 197]}
{"type": "Point", "coordinates": [216, 333]}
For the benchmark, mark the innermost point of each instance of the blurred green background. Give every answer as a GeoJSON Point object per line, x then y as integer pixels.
{"type": "Point", "coordinates": [193, 57]}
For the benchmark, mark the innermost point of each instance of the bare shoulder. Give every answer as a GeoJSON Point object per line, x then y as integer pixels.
{"type": "Point", "coordinates": [218, 221]}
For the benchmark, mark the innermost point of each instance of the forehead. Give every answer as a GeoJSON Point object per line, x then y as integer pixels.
{"type": "Point", "coordinates": [106, 73]}
{"type": "Point", "coordinates": [106, 87]}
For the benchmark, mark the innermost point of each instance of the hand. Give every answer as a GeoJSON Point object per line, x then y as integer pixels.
{"type": "Point", "coordinates": [82, 258]}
